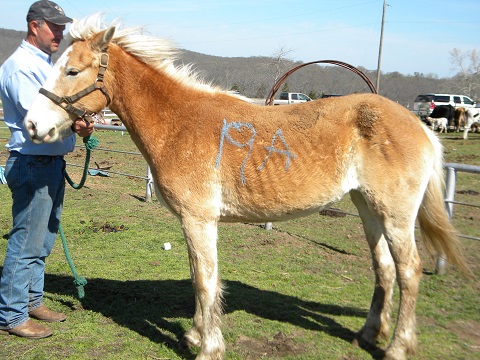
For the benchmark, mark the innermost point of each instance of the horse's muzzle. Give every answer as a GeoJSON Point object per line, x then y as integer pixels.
{"type": "Point", "coordinates": [37, 138]}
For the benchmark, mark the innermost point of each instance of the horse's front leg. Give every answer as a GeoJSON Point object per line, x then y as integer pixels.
{"type": "Point", "coordinates": [201, 238]}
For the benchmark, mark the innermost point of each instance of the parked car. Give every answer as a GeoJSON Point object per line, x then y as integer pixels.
{"type": "Point", "coordinates": [291, 98]}
{"type": "Point", "coordinates": [424, 104]}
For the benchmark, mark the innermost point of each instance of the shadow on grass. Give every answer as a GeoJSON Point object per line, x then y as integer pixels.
{"type": "Point", "coordinates": [148, 307]}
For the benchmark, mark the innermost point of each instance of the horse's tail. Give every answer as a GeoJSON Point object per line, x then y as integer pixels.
{"type": "Point", "coordinates": [438, 233]}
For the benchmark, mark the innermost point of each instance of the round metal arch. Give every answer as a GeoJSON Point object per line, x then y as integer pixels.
{"type": "Point", "coordinates": [281, 80]}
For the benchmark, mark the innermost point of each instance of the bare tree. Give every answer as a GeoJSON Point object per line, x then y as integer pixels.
{"type": "Point", "coordinates": [468, 66]}
{"type": "Point", "coordinates": [277, 64]}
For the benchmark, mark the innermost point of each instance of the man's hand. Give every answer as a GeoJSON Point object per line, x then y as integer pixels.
{"type": "Point", "coordinates": [82, 128]}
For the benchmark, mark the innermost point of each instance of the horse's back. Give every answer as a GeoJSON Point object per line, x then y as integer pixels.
{"type": "Point", "coordinates": [293, 159]}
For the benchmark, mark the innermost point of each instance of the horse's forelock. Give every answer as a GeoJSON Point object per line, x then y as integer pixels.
{"type": "Point", "coordinates": [149, 49]}
{"type": "Point", "coordinates": [86, 28]}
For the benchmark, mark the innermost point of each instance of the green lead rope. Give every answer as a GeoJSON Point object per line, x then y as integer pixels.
{"type": "Point", "coordinates": [79, 282]}
{"type": "Point", "coordinates": [90, 144]}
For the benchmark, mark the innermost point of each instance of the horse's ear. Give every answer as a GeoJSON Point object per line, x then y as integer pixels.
{"type": "Point", "coordinates": [101, 41]}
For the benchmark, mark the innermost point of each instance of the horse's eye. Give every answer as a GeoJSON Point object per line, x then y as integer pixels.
{"type": "Point", "coordinates": [72, 72]}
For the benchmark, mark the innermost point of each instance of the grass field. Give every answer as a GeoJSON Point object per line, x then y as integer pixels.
{"type": "Point", "coordinates": [299, 291]}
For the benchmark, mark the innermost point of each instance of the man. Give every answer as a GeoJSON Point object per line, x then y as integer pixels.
{"type": "Point", "coordinates": [35, 176]}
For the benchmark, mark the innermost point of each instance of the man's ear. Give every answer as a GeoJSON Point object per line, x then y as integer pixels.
{"type": "Point", "coordinates": [33, 26]}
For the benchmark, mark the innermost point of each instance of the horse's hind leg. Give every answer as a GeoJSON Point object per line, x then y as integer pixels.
{"type": "Point", "coordinates": [377, 324]}
{"type": "Point", "coordinates": [397, 218]}
{"type": "Point", "coordinates": [201, 238]}
{"type": "Point", "coordinates": [402, 246]}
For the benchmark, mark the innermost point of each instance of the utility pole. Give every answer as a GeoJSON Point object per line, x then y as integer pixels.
{"type": "Point", "coordinates": [377, 85]}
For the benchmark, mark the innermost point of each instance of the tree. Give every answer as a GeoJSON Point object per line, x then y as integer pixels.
{"type": "Point", "coordinates": [277, 64]}
{"type": "Point", "coordinates": [261, 92]}
{"type": "Point", "coordinates": [468, 66]}
{"type": "Point", "coordinates": [235, 87]}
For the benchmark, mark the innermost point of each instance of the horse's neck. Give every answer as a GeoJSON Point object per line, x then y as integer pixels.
{"type": "Point", "coordinates": [140, 96]}
{"type": "Point", "coordinates": [133, 90]}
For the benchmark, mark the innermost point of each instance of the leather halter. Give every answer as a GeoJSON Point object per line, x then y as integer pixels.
{"type": "Point", "coordinates": [66, 102]}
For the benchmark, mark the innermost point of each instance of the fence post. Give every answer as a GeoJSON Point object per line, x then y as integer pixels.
{"type": "Point", "coordinates": [149, 190]}
{"type": "Point", "coordinates": [268, 226]}
{"type": "Point", "coordinates": [440, 267]}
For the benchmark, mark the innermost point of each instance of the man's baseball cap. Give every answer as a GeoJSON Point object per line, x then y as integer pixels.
{"type": "Point", "coordinates": [49, 11]}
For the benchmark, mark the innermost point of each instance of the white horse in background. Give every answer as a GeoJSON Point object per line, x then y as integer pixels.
{"type": "Point", "coordinates": [467, 118]}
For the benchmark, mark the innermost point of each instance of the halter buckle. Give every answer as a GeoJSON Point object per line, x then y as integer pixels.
{"type": "Point", "coordinates": [104, 60]}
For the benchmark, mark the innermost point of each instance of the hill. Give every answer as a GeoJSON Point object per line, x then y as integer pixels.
{"type": "Point", "coordinates": [254, 76]}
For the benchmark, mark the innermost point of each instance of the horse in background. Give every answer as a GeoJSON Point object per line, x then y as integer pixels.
{"type": "Point", "coordinates": [216, 158]}
{"type": "Point", "coordinates": [468, 119]}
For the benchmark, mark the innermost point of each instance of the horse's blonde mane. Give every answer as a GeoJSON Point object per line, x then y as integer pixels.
{"type": "Point", "coordinates": [156, 52]}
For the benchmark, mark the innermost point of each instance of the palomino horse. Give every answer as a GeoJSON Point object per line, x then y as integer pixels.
{"type": "Point", "coordinates": [215, 157]}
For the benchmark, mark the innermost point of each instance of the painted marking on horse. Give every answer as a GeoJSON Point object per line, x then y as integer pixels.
{"type": "Point", "coordinates": [225, 135]}
{"type": "Point", "coordinates": [272, 148]}
{"type": "Point", "coordinates": [239, 126]}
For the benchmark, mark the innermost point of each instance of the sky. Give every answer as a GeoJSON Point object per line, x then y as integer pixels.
{"type": "Point", "coordinates": [418, 36]}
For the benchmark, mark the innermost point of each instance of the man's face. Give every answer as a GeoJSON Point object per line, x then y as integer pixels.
{"type": "Point", "coordinates": [48, 35]}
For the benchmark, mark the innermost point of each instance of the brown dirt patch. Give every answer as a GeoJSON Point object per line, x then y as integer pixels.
{"type": "Point", "coordinates": [279, 346]}
{"type": "Point", "coordinates": [469, 331]}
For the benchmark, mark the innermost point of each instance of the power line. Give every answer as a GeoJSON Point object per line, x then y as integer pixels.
{"type": "Point", "coordinates": [263, 20]}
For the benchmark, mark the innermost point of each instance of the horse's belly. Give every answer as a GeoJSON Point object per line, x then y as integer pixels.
{"type": "Point", "coordinates": [283, 200]}
{"type": "Point", "coordinates": [266, 216]}
{"type": "Point", "coordinates": [267, 209]}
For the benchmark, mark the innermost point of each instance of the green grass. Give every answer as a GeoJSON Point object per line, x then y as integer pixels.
{"type": "Point", "coordinates": [300, 291]}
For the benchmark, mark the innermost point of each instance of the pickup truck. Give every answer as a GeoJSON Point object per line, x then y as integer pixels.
{"type": "Point", "coordinates": [291, 98]}
{"type": "Point", "coordinates": [424, 104]}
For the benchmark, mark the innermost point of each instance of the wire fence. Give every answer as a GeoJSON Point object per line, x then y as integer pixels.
{"type": "Point", "coordinates": [147, 177]}
{"type": "Point", "coordinates": [452, 169]}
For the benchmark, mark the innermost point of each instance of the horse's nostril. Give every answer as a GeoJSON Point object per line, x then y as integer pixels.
{"type": "Point", "coordinates": [51, 133]}
{"type": "Point", "coordinates": [31, 128]}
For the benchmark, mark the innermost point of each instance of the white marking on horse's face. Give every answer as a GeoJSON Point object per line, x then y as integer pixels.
{"type": "Point", "coordinates": [46, 121]}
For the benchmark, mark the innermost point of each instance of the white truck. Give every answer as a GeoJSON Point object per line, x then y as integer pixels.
{"type": "Point", "coordinates": [424, 104]}
{"type": "Point", "coordinates": [291, 98]}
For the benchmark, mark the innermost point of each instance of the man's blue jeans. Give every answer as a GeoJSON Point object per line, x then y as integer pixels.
{"type": "Point", "coordinates": [38, 187]}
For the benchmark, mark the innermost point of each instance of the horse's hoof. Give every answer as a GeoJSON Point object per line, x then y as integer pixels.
{"type": "Point", "coordinates": [187, 342]}
{"type": "Point", "coordinates": [360, 342]}
{"type": "Point", "coordinates": [372, 348]}
{"type": "Point", "coordinates": [394, 355]}
{"type": "Point", "coordinates": [183, 345]}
